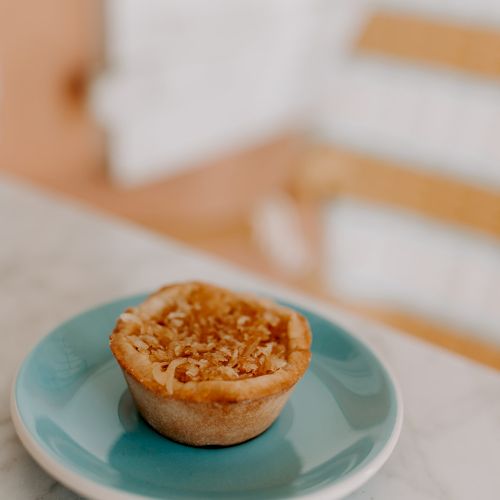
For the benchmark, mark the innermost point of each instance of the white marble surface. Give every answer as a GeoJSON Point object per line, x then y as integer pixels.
{"type": "Point", "coordinates": [57, 258]}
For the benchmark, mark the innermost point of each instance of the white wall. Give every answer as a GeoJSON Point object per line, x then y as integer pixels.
{"type": "Point", "coordinates": [406, 262]}
{"type": "Point", "coordinates": [191, 79]}
{"type": "Point", "coordinates": [435, 120]}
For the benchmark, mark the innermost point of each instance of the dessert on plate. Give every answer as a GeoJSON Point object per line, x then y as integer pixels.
{"type": "Point", "coordinates": [208, 366]}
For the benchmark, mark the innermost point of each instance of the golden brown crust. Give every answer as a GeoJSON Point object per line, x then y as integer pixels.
{"type": "Point", "coordinates": [207, 423]}
{"type": "Point", "coordinates": [138, 366]}
{"type": "Point", "coordinates": [266, 363]}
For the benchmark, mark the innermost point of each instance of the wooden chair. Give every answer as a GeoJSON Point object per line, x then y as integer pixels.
{"type": "Point", "coordinates": [326, 172]}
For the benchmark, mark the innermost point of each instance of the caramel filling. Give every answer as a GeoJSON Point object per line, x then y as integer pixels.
{"type": "Point", "coordinates": [208, 334]}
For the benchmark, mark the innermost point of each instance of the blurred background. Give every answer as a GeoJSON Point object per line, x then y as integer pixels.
{"type": "Point", "coordinates": [349, 148]}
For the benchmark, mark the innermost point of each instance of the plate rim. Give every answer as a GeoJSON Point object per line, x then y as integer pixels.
{"type": "Point", "coordinates": [97, 491]}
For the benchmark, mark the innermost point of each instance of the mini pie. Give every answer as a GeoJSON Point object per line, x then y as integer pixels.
{"type": "Point", "coordinates": [207, 366]}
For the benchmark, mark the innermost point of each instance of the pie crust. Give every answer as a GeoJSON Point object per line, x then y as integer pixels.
{"type": "Point", "coordinates": [207, 366]}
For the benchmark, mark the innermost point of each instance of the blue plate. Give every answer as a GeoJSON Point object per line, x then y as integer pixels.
{"type": "Point", "coordinates": [74, 414]}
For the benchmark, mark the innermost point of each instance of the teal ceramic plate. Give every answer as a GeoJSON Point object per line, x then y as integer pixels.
{"type": "Point", "coordinates": [73, 413]}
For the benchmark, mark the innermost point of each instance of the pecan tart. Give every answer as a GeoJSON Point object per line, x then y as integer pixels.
{"type": "Point", "coordinates": [207, 366]}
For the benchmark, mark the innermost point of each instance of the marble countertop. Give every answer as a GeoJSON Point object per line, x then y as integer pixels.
{"type": "Point", "coordinates": [58, 258]}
